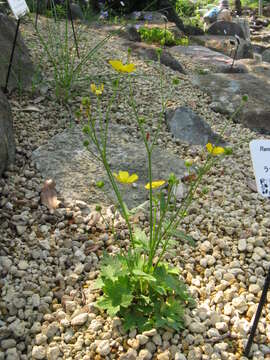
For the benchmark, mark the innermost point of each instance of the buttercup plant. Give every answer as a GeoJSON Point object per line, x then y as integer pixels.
{"type": "Point", "coordinates": [138, 284]}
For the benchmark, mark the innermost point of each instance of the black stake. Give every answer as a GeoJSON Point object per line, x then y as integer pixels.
{"type": "Point", "coordinates": [258, 314]}
{"type": "Point", "coordinates": [236, 50]}
{"type": "Point", "coordinates": [11, 56]}
{"type": "Point", "coordinates": [37, 13]}
{"type": "Point", "coordinates": [73, 30]}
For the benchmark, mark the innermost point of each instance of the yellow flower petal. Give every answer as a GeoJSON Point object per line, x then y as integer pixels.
{"type": "Point", "coordinates": [119, 66]}
{"type": "Point", "coordinates": [132, 178]}
{"type": "Point", "coordinates": [125, 178]}
{"type": "Point", "coordinates": [155, 184]}
{"type": "Point", "coordinates": [217, 150]}
{"type": "Point", "coordinates": [116, 64]}
{"type": "Point", "coordinates": [209, 147]}
{"type": "Point", "coordinates": [97, 90]}
{"type": "Point", "coordinates": [128, 68]}
{"type": "Point", "coordinates": [93, 88]}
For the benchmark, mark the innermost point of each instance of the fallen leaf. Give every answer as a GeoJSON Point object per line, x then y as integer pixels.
{"type": "Point", "coordinates": [48, 195]}
{"type": "Point", "coordinates": [31, 108]}
{"type": "Point", "coordinates": [189, 178]}
{"type": "Point", "coordinates": [252, 185]}
{"type": "Point", "coordinates": [91, 248]}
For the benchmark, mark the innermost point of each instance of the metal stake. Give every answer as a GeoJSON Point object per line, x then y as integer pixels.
{"type": "Point", "coordinates": [37, 12]}
{"type": "Point", "coordinates": [258, 314]}
{"type": "Point", "coordinates": [11, 56]}
{"type": "Point", "coordinates": [73, 30]}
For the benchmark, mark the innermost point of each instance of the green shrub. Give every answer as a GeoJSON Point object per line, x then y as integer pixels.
{"type": "Point", "coordinates": [160, 36]}
{"type": "Point", "coordinates": [185, 8]}
{"type": "Point", "coordinates": [138, 284]}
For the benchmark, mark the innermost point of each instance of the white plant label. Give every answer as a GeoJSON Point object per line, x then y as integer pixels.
{"type": "Point", "coordinates": [18, 7]}
{"type": "Point", "coordinates": [260, 155]}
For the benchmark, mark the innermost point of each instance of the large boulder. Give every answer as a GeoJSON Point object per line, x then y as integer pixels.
{"type": "Point", "coordinates": [226, 28]}
{"type": "Point", "coordinates": [226, 91]}
{"type": "Point", "coordinates": [22, 66]}
{"type": "Point", "coordinates": [203, 55]}
{"type": "Point", "coordinates": [190, 128]}
{"type": "Point", "coordinates": [7, 143]}
{"type": "Point", "coordinates": [226, 45]}
{"type": "Point", "coordinates": [75, 171]}
{"type": "Point", "coordinates": [149, 52]}
{"type": "Point", "coordinates": [266, 55]}
{"type": "Point", "coordinates": [76, 12]}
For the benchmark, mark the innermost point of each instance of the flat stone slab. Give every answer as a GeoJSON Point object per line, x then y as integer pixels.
{"type": "Point", "coordinates": [189, 127]}
{"type": "Point", "coordinates": [226, 91]}
{"type": "Point", "coordinates": [226, 28]}
{"type": "Point", "coordinates": [75, 170]}
{"type": "Point", "coordinates": [224, 45]}
{"type": "Point", "coordinates": [203, 55]}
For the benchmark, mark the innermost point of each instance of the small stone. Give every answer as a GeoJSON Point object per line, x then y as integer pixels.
{"type": "Point", "coordinates": [5, 262]}
{"type": "Point", "coordinates": [8, 343]}
{"type": "Point", "coordinates": [197, 328]}
{"type": "Point", "coordinates": [38, 352]}
{"type": "Point", "coordinates": [221, 347]}
{"type": "Point", "coordinates": [95, 325]}
{"type": "Point", "coordinates": [12, 354]}
{"type": "Point", "coordinates": [53, 353]}
{"type": "Point", "coordinates": [103, 347]}
{"type": "Point", "coordinates": [151, 332]}
{"type": "Point", "coordinates": [41, 339]}
{"type": "Point", "coordinates": [19, 302]}
{"type": "Point", "coordinates": [131, 354]}
{"type": "Point", "coordinates": [35, 300]}
{"type": "Point", "coordinates": [145, 354]}
{"type": "Point", "coordinates": [134, 343]}
{"type": "Point", "coordinates": [240, 303]}
{"type": "Point", "coordinates": [142, 339]}
{"type": "Point", "coordinates": [206, 246]}
{"type": "Point", "coordinates": [157, 340]}
{"type": "Point", "coordinates": [179, 356]}
{"type": "Point", "coordinates": [52, 330]}
{"type": "Point", "coordinates": [242, 245]}
{"type": "Point", "coordinates": [45, 244]}
{"type": "Point", "coordinates": [79, 319]}
{"type": "Point", "coordinates": [23, 265]}
{"type": "Point", "coordinates": [227, 309]}
{"type": "Point", "coordinates": [21, 229]}
{"type": "Point", "coordinates": [222, 326]}
{"type": "Point", "coordinates": [164, 356]}
{"type": "Point", "coordinates": [254, 288]}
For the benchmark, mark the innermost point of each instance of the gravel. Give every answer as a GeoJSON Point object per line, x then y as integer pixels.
{"type": "Point", "coordinates": [49, 260]}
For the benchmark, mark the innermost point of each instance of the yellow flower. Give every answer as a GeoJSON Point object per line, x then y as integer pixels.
{"type": "Point", "coordinates": [119, 66]}
{"type": "Point", "coordinates": [155, 184]}
{"type": "Point", "coordinates": [124, 177]}
{"type": "Point", "coordinates": [214, 150]}
{"type": "Point", "coordinates": [97, 89]}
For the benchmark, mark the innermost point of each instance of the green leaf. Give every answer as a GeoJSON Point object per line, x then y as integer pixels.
{"type": "Point", "coordinates": [117, 294]}
{"type": "Point", "coordinates": [113, 266]}
{"type": "Point", "coordinates": [162, 203]}
{"type": "Point", "coordinates": [183, 236]}
{"type": "Point", "coordinates": [98, 284]}
{"type": "Point", "coordinates": [144, 275]}
{"type": "Point", "coordinates": [134, 319]}
{"type": "Point", "coordinates": [141, 239]}
{"type": "Point", "coordinates": [105, 303]}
